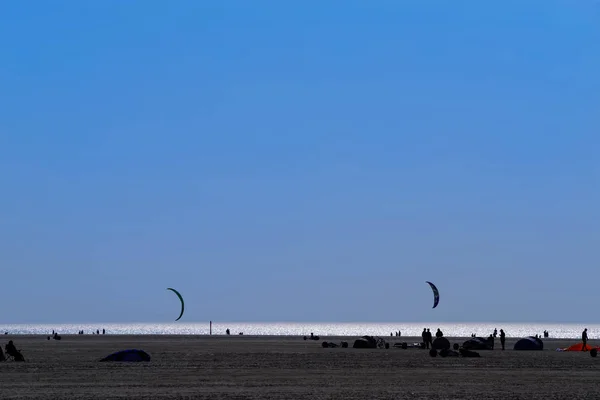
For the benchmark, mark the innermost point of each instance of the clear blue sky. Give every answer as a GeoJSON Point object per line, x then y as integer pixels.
{"type": "Point", "coordinates": [299, 161]}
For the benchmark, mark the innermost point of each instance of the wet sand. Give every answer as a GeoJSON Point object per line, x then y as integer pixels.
{"type": "Point", "coordinates": [277, 367]}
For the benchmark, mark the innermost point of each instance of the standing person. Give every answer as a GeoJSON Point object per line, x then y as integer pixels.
{"type": "Point", "coordinates": [502, 338]}
{"type": "Point", "coordinates": [430, 338]}
{"type": "Point", "coordinates": [424, 337]}
{"type": "Point", "coordinates": [491, 341]}
{"type": "Point", "coordinates": [584, 339]}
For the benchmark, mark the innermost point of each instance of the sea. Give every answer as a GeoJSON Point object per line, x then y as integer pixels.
{"type": "Point", "coordinates": [556, 330]}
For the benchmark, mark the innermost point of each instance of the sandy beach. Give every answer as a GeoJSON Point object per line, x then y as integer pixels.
{"type": "Point", "coordinates": [276, 367]}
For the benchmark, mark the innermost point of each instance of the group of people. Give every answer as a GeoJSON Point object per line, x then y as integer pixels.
{"type": "Point", "coordinates": [427, 336]}
{"type": "Point", "coordinates": [11, 351]}
{"type": "Point", "coordinates": [81, 332]}
{"type": "Point", "coordinates": [502, 338]}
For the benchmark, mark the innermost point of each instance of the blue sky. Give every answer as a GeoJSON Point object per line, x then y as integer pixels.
{"type": "Point", "coordinates": [299, 161]}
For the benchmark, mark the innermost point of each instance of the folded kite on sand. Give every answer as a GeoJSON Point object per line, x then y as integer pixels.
{"type": "Point", "coordinates": [479, 343]}
{"type": "Point", "coordinates": [131, 355]}
{"type": "Point", "coordinates": [579, 347]}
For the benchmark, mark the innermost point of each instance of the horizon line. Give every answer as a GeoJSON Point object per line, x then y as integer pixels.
{"type": "Point", "coordinates": [297, 322]}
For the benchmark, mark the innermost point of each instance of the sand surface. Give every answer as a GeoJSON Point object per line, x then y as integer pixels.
{"type": "Point", "coordinates": [271, 367]}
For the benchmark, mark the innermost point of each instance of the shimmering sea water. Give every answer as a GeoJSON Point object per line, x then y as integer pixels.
{"type": "Point", "coordinates": [323, 329]}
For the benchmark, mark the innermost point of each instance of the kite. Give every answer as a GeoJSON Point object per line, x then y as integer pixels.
{"type": "Point", "coordinates": [181, 299]}
{"type": "Point", "coordinates": [436, 295]}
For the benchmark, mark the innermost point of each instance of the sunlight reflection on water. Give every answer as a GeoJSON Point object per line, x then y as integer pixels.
{"type": "Point", "coordinates": [323, 329]}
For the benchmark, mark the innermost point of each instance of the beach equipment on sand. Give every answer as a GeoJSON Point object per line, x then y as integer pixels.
{"type": "Point", "coordinates": [180, 299]}
{"type": "Point", "coordinates": [478, 343]}
{"type": "Point", "coordinates": [468, 353]}
{"type": "Point", "coordinates": [17, 356]}
{"type": "Point", "coordinates": [130, 355]}
{"type": "Point", "coordinates": [436, 294]}
{"type": "Point", "coordinates": [327, 344]}
{"type": "Point", "coordinates": [579, 347]}
{"type": "Point", "coordinates": [448, 353]}
{"type": "Point", "coordinates": [365, 342]}
{"type": "Point", "coordinates": [370, 342]}
{"type": "Point", "coordinates": [440, 343]}
{"type": "Point", "coordinates": [12, 353]}
{"type": "Point", "coordinates": [529, 343]}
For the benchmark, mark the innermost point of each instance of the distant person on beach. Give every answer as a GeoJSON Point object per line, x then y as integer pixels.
{"type": "Point", "coordinates": [495, 332]}
{"type": "Point", "coordinates": [103, 331]}
{"type": "Point", "coordinates": [502, 338]}
{"type": "Point", "coordinates": [424, 337]}
{"type": "Point", "coordinates": [12, 351]}
{"type": "Point", "coordinates": [227, 331]}
{"type": "Point", "coordinates": [584, 339]}
{"type": "Point", "coordinates": [10, 348]}
{"type": "Point", "coordinates": [430, 338]}
{"type": "Point", "coordinates": [491, 341]}
{"type": "Point", "coordinates": [439, 333]}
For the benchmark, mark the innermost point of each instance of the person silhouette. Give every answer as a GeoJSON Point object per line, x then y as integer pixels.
{"type": "Point", "coordinates": [584, 339]}
{"type": "Point", "coordinates": [429, 338]}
